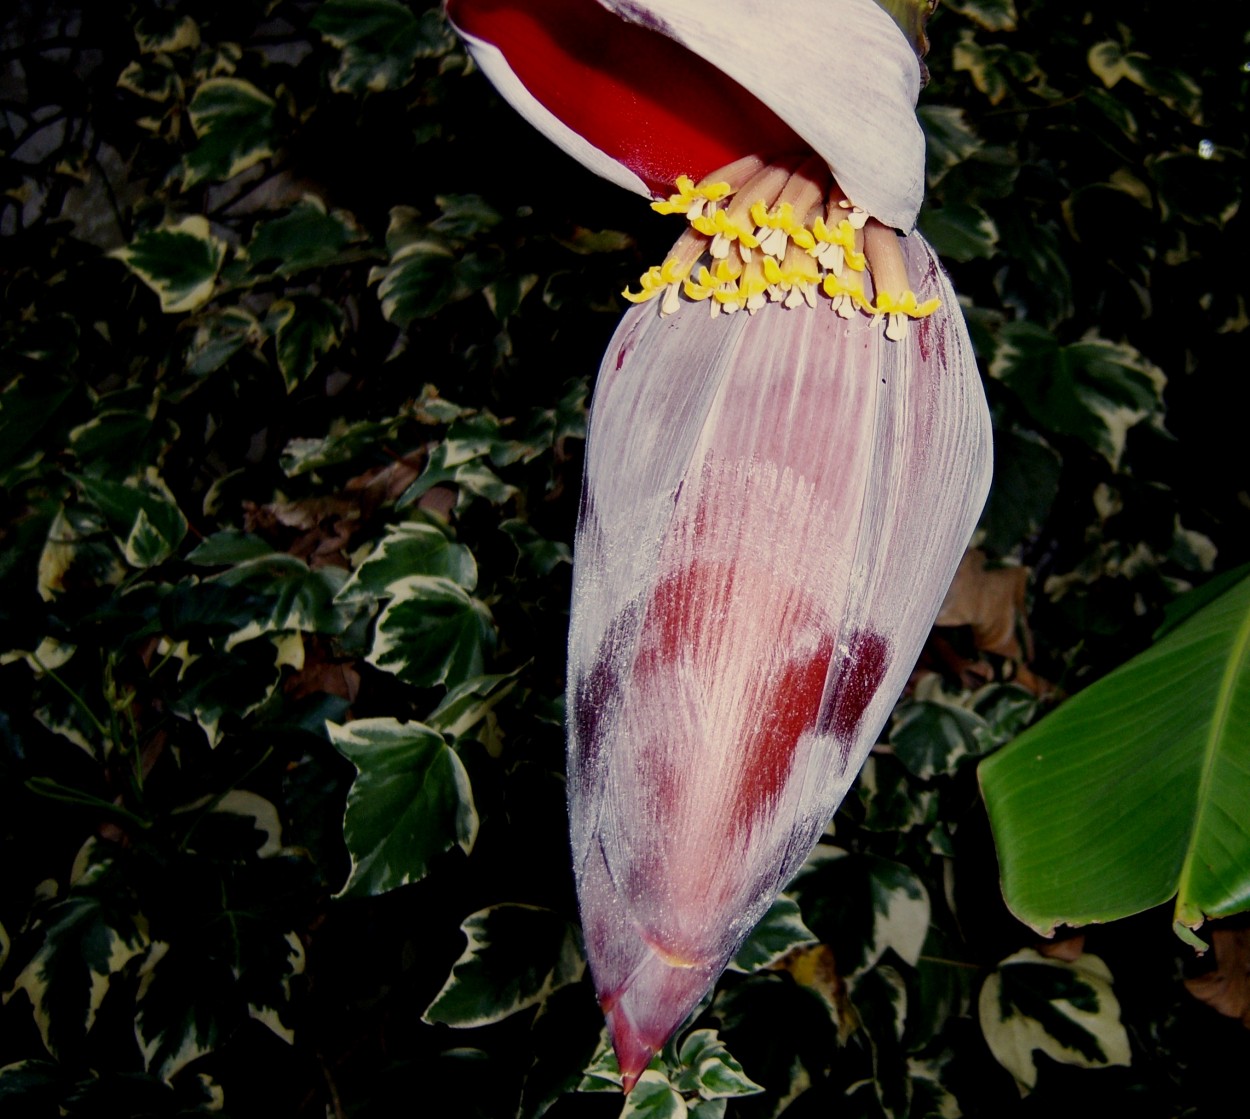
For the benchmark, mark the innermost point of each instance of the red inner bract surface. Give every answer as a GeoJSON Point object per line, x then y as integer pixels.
{"type": "Point", "coordinates": [633, 93]}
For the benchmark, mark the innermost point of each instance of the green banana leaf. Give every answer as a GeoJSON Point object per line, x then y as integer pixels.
{"type": "Point", "coordinates": [1138, 788]}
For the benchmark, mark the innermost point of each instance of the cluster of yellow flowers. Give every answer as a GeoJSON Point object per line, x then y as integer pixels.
{"type": "Point", "coordinates": [745, 245]}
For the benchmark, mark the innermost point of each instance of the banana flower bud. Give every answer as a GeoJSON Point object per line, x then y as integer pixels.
{"type": "Point", "coordinates": [788, 451]}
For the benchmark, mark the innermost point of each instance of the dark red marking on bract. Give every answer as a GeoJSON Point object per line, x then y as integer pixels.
{"type": "Point", "coordinates": [677, 625]}
{"type": "Point", "coordinates": [633, 93]}
{"type": "Point", "coordinates": [596, 693]}
{"type": "Point", "coordinates": [859, 676]}
{"type": "Point", "coordinates": [794, 706]}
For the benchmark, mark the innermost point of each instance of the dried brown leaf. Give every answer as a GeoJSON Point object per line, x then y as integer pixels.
{"type": "Point", "coordinates": [1226, 988]}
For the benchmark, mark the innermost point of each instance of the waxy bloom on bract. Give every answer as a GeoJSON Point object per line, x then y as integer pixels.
{"type": "Point", "coordinates": [788, 451]}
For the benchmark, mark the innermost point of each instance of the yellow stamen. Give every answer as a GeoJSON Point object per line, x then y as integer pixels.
{"type": "Point", "coordinates": [809, 236]}
{"type": "Point", "coordinates": [891, 284]}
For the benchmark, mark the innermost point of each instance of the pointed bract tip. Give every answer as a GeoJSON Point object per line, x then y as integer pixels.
{"type": "Point", "coordinates": [633, 1052]}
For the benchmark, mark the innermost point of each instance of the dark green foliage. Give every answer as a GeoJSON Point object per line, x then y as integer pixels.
{"type": "Point", "coordinates": [300, 325]}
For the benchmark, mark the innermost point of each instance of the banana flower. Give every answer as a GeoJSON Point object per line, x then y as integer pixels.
{"type": "Point", "coordinates": [788, 451]}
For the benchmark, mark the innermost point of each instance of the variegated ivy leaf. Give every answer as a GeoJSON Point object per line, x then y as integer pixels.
{"type": "Point", "coordinates": [707, 1069]}
{"type": "Point", "coordinates": [775, 937]}
{"type": "Point", "coordinates": [472, 476]}
{"type": "Point", "coordinates": [231, 684]}
{"type": "Point", "coordinates": [235, 124]}
{"type": "Point", "coordinates": [410, 802]}
{"type": "Point", "coordinates": [960, 230]}
{"type": "Point", "coordinates": [88, 938]}
{"type": "Point", "coordinates": [431, 632]}
{"type": "Point", "coordinates": [142, 515]}
{"type": "Point", "coordinates": [154, 79]}
{"type": "Point", "coordinates": [306, 236]}
{"type": "Point", "coordinates": [288, 595]}
{"type": "Point", "coordinates": [469, 704]}
{"type": "Point", "coordinates": [432, 263]}
{"type": "Point", "coordinates": [993, 15]}
{"type": "Point", "coordinates": [178, 261]}
{"type": "Point", "coordinates": [701, 1074]}
{"type": "Point", "coordinates": [75, 554]}
{"type": "Point", "coordinates": [208, 980]}
{"type": "Point", "coordinates": [863, 905]}
{"type": "Point", "coordinates": [654, 1097]}
{"type": "Point", "coordinates": [31, 1087]}
{"type": "Point", "coordinates": [165, 32]}
{"type": "Point", "coordinates": [1066, 1010]}
{"type": "Point", "coordinates": [228, 547]}
{"type": "Point", "coordinates": [305, 330]}
{"type": "Point", "coordinates": [880, 999]}
{"type": "Point", "coordinates": [949, 139]}
{"type": "Point", "coordinates": [1111, 63]}
{"type": "Point", "coordinates": [930, 1096]}
{"type": "Point", "coordinates": [515, 957]}
{"type": "Point", "coordinates": [410, 548]}
{"type": "Point", "coordinates": [892, 801]}
{"type": "Point", "coordinates": [1093, 390]}
{"type": "Point", "coordinates": [240, 820]}
{"type": "Point", "coordinates": [380, 41]}
{"type": "Point", "coordinates": [219, 335]}
{"type": "Point", "coordinates": [342, 444]}
{"type": "Point", "coordinates": [535, 553]}
{"type": "Point", "coordinates": [28, 407]}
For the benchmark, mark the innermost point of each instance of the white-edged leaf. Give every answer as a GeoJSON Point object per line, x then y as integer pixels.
{"type": "Point", "coordinates": [178, 261]}
{"type": "Point", "coordinates": [515, 957]}
{"type": "Point", "coordinates": [410, 802]}
{"type": "Point", "coordinates": [1066, 1010]}
{"type": "Point", "coordinates": [431, 632]}
{"type": "Point", "coordinates": [778, 934]}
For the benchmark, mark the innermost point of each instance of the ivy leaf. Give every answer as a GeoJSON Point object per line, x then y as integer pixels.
{"type": "Point", "coordinates": [219, 335]}
{"type": "Point", "coordinates": [380, 40]}
{"type": "Point", "coordinates": [342, 443]}
{"type": "Point", "coordinates": [515, 957]}
{"type": "Point", "coordinates": [708, 1069]}
{"type": "Point", "coordinates": [429, 265]}
{"type": "Point", "coordinates": [165, 32]}
{"type": "Point", "coordinates": [1094, 390]}
{"type": "Point", "coordinates": [949, 139]}
{"type": "Point", "coordinates": [410, 802]}
{"type": "Point", "coordinates": [142, 514]}
{"type": "Point", "coordinates": [862, 905]}
{"type": "Point", "coordinates": [960, 230]}
{"type": "Point", "coordinates": [444, 466]}
{"type": "Point", "coordinates": [235, 125]}
{"type": "Point", "coordinates": [466, 706]}
{"type": "Point", "coordinates": [201, 986]}
{"type": "Point", "coordinates": [28, 406]}
{"type": "Point", "coordinates": [88, 938]}
{"type": "Point", "coordinates": [305, 330]}
{"type": "Point", "coordinates": [306, 236]}
{"type": "Point", "coordinates": [993, 15]}
{"type": "Point", "coordinates": [31, 1087]}
{"type": "Point", "coordinates": [228, 547]}
{"type": "Point", "coordinates": [1026, 481]}
{"type": "Point", "coordinates": [1066, 1010]}
{"type": "Point", "coordinates": [880, 1000]}
{"type": "Point", "coordinates": [285, 595]}
{"type": "Point", "coordinates": [410, 548]}
{"type": "Point", "coordinates": [431, 632]}
{"type": "Point", "coordinates": [654, 1097]}
{"type": "Point", "coordinates": [1112, 63]}
{"type": "Point", "coordinates": [75, 555]}
{"type": "Point", "coordinates": [778, 934]}
{"type": "Point", "coordinates": [178, 261]}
